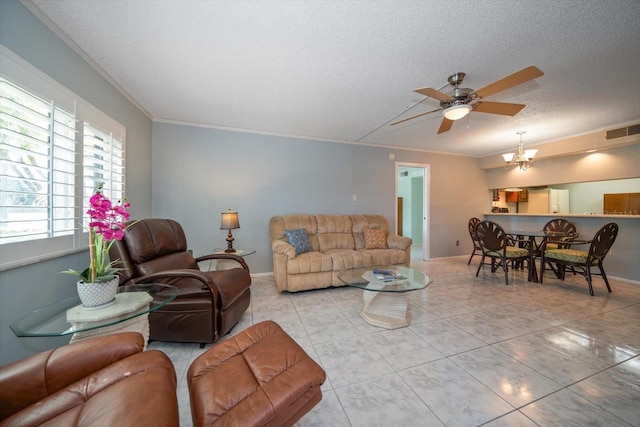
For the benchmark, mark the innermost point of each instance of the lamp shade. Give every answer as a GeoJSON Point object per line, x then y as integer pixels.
{"type": "Point", "coordinates": [530, 154]}
{"type": "Point", "coordinates": [229, 220]}
{"type": "Point", "coordinates": [508, 157]}
{"type": "Point", "coordinates": [456, 112]}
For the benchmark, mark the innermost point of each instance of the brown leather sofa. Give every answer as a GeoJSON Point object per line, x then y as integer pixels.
{"type": "Point", "coordinates": [209, 304]}
{"type": "Point", "coordinates": [103, 381]}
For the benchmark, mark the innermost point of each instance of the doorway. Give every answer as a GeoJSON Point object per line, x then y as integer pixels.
{"type": "Point", "coordinates": [412, 195]}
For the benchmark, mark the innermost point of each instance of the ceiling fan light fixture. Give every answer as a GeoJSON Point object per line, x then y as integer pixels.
{"type": "Point", "coordinates": [456, 112]}
{"type": "Point", "coordinates": [459, 102]}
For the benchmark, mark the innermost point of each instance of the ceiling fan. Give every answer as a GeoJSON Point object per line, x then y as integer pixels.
{"type": "Point", "coordinates": [459, 102]}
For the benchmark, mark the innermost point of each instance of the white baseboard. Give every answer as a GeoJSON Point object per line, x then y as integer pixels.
{"type": "Point", "coordinates": [268, 273]}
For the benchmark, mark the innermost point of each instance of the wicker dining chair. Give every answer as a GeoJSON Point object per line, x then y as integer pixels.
{"type": "Point", "coordinates": [563, 226]}
{"type": "Point", "coordinates": [477, 249]}
{"type": "Point", "coordinates": [580, 260]}
{"type": "Point", "coordinates": [497, 245]}
{"type": "Point", "coordinates": [569, 233]}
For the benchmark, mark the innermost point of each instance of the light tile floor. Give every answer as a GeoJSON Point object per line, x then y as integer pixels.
{"type": "Point", "coordinates": [477, 352]}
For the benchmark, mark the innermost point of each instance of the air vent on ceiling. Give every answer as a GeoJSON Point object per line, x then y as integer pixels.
{"type": "Point", "coordinates": [622, 132]}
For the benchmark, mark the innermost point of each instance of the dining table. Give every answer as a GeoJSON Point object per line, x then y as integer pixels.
{"type": "Point", "coordinates": [535, 246]}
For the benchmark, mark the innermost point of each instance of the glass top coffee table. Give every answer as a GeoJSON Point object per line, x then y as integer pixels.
{"type": "Point", "coordinates": [67, 317]}
{"type": "Point", "coordinates": [385, 295]}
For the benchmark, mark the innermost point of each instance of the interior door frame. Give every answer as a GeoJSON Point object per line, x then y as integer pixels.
{"type": "Point", "coordinates": [426, 215]}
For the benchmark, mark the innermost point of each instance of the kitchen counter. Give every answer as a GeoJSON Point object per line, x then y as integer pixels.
{"type": "Point", "coordinates": [563, 215]}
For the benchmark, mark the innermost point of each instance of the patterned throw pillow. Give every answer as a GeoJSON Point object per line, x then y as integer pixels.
{"type": "Point", "coordinates": [298, 239]}
{"type": "Point", "coordinates": [375, 239]}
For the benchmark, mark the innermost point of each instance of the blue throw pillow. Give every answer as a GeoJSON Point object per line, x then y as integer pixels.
{"type": "Point", "coordinates": [298, 239]}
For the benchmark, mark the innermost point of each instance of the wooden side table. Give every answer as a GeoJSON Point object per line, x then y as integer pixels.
{"type": "Point", "coordinates": [127, 308]}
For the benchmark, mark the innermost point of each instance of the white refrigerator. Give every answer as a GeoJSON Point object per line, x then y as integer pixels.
{"type": "Point", "coordinates": [547, 200]}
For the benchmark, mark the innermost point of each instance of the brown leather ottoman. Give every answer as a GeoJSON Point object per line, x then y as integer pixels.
{"type": "Point", "coordinates": [259, 377]}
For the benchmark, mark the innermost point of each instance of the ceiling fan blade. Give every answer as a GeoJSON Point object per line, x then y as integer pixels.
{"type": "Point", "coordinates": [514, 79]}
{"type": "Point", "coordinates": [433, 93]}
{"type": "Point", "coordinates": [504, 108]}
{"type": "Point", "coordinates": [416, 116]}
{"type": "Point", "coordinates": [445, 126]}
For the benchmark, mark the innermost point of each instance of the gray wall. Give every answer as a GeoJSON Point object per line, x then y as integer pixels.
{"type": "Point", "coordinates": [27, 288]}
{"type": "Point", "coordinates": [200, 172]}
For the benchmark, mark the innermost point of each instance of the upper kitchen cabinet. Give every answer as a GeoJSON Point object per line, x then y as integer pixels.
{"type": "Point", "coordinates": [517, 196]}
{"type": "Point", "coordinates": [622, 204]}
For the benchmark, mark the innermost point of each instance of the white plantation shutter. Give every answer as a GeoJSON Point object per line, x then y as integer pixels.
{"type": "Point", "coordinates": [103, 157]}
{"type": "Point", "coordinates": [63, 174]}
{"type": "Point", "coordinates": [25, 151]}
{"type": "Point", "coordinates": [37, 160]}
{"type": "Point", "coordinates": [54, 149]}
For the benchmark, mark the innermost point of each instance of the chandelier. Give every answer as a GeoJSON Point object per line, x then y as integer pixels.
{"type": "Point", "coordinates": [523, 158]}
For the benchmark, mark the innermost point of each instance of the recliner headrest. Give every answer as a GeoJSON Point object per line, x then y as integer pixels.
{"type": "Point", "coordinates": [154, 237]}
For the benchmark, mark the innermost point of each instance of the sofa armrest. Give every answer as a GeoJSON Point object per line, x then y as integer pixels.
{"type": "Point", "coordinates": [398, 242]}
{"type": "Point", "coordinates": [27, 381]}
{"type": "Point", "coordinates": [283, 248]}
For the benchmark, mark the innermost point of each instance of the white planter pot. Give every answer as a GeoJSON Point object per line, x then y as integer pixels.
{"type": "Point", "coordinates": [97, 295]}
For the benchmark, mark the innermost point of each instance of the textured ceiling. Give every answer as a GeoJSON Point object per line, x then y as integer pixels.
{"type": "Point", "coordinates": [342, 70]}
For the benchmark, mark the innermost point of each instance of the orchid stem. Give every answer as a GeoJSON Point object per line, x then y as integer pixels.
{"type": "Point", "coordinates": [92, 252]}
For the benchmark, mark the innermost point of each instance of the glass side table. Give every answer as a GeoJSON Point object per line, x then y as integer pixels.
{"type": "Point", "coordinates": [226, 264]}
{"type": "Point", "coordinates": [130, 312]}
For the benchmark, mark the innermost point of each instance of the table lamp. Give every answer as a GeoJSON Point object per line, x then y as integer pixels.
{"type": "Point", "coordinates": [229, 222]}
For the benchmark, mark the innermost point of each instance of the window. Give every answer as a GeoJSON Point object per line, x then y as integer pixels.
{"type": "Point", "coordinates": [103, 157]}
{"type": "Point", "coordinates": [37, 166]}
{"type": "Point", "coordinates": [54, 149]}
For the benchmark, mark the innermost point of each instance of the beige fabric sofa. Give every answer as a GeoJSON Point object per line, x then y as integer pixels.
{"type": "Point", "coordinates": [337, 243]}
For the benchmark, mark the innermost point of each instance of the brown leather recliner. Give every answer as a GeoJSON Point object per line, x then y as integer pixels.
{"type": "Point", "coordinates": [209, 303]}
{"type": "Point", "coordinates": [102, 381]}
